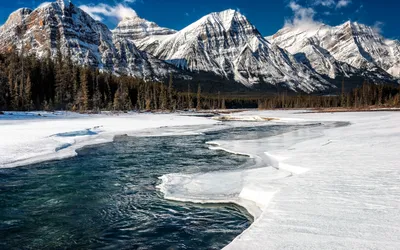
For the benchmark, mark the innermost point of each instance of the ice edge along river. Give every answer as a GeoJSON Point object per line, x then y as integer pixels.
{"type": "Point", "coordinates": [27, 138]}
{"type": "Point", "coordinates": [335, 188]}
{"type": "Point", "coordinates": [349, 198]}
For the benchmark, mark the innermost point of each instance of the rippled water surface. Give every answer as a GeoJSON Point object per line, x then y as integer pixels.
{"type": "Point", "coordinates": [106, 197]}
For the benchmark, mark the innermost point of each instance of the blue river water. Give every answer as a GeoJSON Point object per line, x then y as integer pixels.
{"type": "Point", "coordinates": [106, 197]}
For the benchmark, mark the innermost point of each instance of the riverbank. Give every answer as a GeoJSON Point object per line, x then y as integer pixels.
{"type": "Point", "coordinates": [340, 190]}
{"type": "Point", "coordinates": [325, 187]}
{"type": "Point", "coordinates": [32, 137]}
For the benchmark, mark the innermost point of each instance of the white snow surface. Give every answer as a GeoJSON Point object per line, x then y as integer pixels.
{"type": "Point", "coordinates": [28, 138]}
{"type": "Point", "coordinates": [314, 188]}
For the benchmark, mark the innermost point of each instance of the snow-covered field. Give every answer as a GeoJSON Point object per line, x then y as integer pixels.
{"type": "Point", "coordinates": [321, 187]}
{"type": "Point", "coordinates": [27, 138]}
{"type": "Point", "coordinates": [336, 188]}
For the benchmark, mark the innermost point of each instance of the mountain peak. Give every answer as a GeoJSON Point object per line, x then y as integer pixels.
{"type": "Point", "coordinates": [15, 18]}
{"type": "Point", "coordinates": [351, 43]}
{"type": "Point", "coordinates": [227, 17]}
{"type": "Point", "coordinates": [349, 22]}
{"type": "Point", "coordinates": [228, 11]}
{"type": "Point", "coordinates": [227, 20]}
{"type": "Point", "coordinates": [129, 18]}
{"type": "Point", "coordinates": [23, 11]}
{"type": "Point", "coordinates": [226, 44]}
{"type": "Point", "coordinates": [63, 3]}
{"type": "Point", "coordinates": [135, 27]}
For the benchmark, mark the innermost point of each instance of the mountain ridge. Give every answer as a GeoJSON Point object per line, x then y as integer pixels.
{"type": "Point", "coordinates": [91, 42]}
{"type": "Point", "coordinates": [351, 43]}
{"type": "Point", "coordinates": [225, 45]}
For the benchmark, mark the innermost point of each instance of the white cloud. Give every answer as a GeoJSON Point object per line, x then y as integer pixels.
{"type": "Point", "coordinates": [332, 3]}
{"type": "Point", "coordinates": [304, 12]}
{"type": "Point", "coordinates": [99, 11]}
{"type": "Point", "coordinates": [343, 3]}
{"type": "Point", "coordinates": [325, 3]}
{"type": "Point", "coordinates": [360, 8]}
{"type": "Point", "coordinates": [302, 15]}
{"type": "Point", "coordinates": [378, 26]}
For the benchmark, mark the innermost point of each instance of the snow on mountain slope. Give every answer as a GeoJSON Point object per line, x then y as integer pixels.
{"type": "Point", "coordinates": [15, 18]}
{"type": "Point", "coordinates": [38, 31]}
{"type": "Point", "coordinates": [137, 28]}
{"type": "Point", "coordinates": [90, 42]}
{"type": "Point", "coordinates": [351, 43]}
{"type": "Point", "coordinates": [227, 44]}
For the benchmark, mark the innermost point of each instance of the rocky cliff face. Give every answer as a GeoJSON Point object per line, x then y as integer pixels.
{"type": "Point", "coordinates": [90, 42]}
{"type": "Point", "coordinates": [346, 49]}
{"type": "Point", "coordinates": [227, 44]}
{"type": "Point", "coordinates": [224, 45]}
{"type": "Point", "coordinates": [138, 28]}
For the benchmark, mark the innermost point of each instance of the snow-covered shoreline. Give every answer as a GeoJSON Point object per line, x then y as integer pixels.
{"type": "Point", "coordinates": [331, 200]}
{"type": "Point", "coordinates": [27, 138]}
{"type": "Point", "coordinates": [335, 188]}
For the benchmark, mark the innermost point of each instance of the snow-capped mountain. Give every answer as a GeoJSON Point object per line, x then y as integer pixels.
{"type": "Point", "coordinates": [90, 42]}
{"type": "Point", "coordinates": [227, 44]}
{"type": "Point", "coordinates": [342, 49]}
{"type": "Point", "coordinates": [137, 28]}
{"type": "Point", "coordinates": [224, 45]}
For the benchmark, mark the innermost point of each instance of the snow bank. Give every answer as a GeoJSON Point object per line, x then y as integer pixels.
{"type": "Point", "coordinates": [28, 138]}
{"type": "Point", "coordinates": [320, 187]}
{"type": "Point", "coordinates": [327, 187]}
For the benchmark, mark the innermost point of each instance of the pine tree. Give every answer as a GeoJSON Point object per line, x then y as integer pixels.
{"type": "Point", "coordinates": [4, 89]}
{"type": "Point", "coordinates": [198, 106]}
{"type": "Point", "coordinates": [84, 91]}
{"type": "Point", "coordinates": [121, 98]}
{"type": "Point", "coordinates": [22, 77]}
{"type": "Point", "coordinates": [107, 94]}
{"type": "Point", "coordinates": [163, 98]}
{"type": "Point", "coordinates": [139, 99]}
{"type": "Point", "coordinates": [28, 94]}
{"type": "Point", "coordinates": [147, 97]}
{"type": "Point", "coordinates": [223, 106]}
{"type": "Point", "coordinates": [15, 95]}
{"type": "Point", "coordinates": [343, 96]}
{"type": "Point", "coordinates": [219, 100]}
{"type": "Point", "coordinates": [69, 76]}
{"type": "Point", "coordinates": [155, 96]}
{"type": "Point", "coordinates": [171, 100]}
{"type": "Point", "coordinates": [117, 100]}
{"type": "Point", "coordinates": [189, 98]}
{"type": "Point", "coordinates": [97, 96]}
{"type": "Point", "coordinates": [59, 76]}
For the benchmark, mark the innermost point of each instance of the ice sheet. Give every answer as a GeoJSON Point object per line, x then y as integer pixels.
{"type": "Point", "coordinates": [336, 188]}
{"type": "Point", "coordinates": [27, 138]}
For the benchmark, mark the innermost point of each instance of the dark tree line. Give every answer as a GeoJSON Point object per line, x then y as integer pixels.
{"type": "Point", "coordinates": [365, 96]}
{"type": "Point", "coordinates": [29, 83]}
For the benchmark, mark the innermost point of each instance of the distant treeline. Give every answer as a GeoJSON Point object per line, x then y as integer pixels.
{"type": "Point", "coordinates": [29, 83]}
{"type": "Point", "coordinates": [365, 96]}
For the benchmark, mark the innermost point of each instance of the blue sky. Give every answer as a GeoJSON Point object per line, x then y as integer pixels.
{"type": "Point", "coordinates": [267, 15]}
